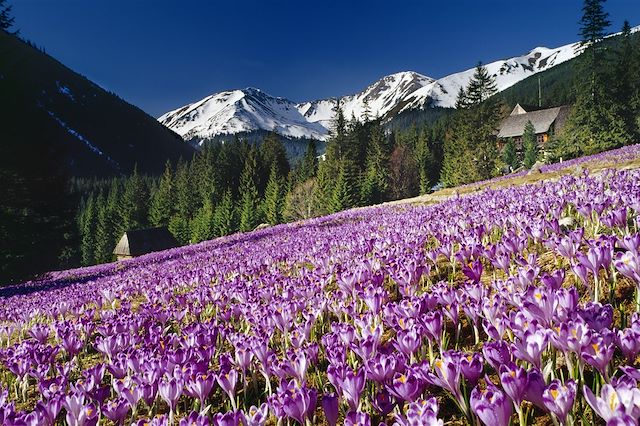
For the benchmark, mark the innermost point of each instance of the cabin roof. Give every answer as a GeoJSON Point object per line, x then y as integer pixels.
{"type": "Point", "coordinates": [542, 120]}
{"type": "Point", "coordinates": [142, 241]}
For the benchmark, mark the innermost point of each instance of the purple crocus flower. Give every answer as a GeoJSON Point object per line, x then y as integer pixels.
{"type": "Point", "coordinates": [382, 366]}
{"type": "Point", "coordinates": [40, 332]}
{"type": "Point", "coordinates": [472, 365]}
{"type": "Point", "coordinates": [405, 386]}
{"type": "Point", "coordinates": [116, 410]}
{"type": "Point", "coordinates": [407, 341]}
{"type": "Point", "coordinates": [497, 353]}
{"type": "Point", "coordinates": [491, 405]}
{"type": "Point", "coordinates": [330, 407]}
{"type": "Point", "coordinates": [195, 419]}
{"type": "Point", "coordinates": [628, 340]}
{"type": "Point", "coordinates": [421, 412]}
{"type": "Point", "coordinates": [357, 418]}
{"type": "Point", "coordinates": [514, 382]}
{"type": "Point", "coordinates": [530, 346]}
{"type": "Point", "coordinates": [447, 374]}
{"type": "Point", "coordinates": [558, 398]}
{"type": "Point", "coordinates": [382, 402]}
{"type": "Point", "coordinates": [200, 386]}
{"type": "Point", "coordinates": [231, 418]}
{"type": "Point", "coordinates": [535, 388]}
{"type": "Point", "coordinates": [614, 402]}
{"type": "Point", "coordinates": [227, 381]}
{"type": "Point", "coordinates": [598, 353]}
{"type": "Point", "coordinates": [352, 387]}
{"type": "Point", "coordinates": [256, 416]}
{"type": "Point", "coordinates": [299, 403]}
{"type": "Point", "coordinates": [170, 389]}
{"type": "Point", "coordinates": [432, 325]}
{"type": "Point", "coordinates": [48, 410]}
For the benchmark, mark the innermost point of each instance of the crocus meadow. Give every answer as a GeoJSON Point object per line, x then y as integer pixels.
{"type": "Point", "coordinates": [511, 305]}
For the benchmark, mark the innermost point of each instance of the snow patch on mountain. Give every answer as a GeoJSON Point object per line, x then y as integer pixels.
{"type": "Point", "coordinates": [239, 111]}
{"type": "Point", "coordinates": [250, 109]}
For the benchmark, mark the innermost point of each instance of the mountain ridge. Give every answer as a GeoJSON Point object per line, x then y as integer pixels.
{"type": "Point", "coordinates": [386, 97]}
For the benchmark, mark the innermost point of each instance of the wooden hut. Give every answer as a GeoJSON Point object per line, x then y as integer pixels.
{"type": "Point", "coordinates": [142, 241]}
{"type": "Point", "coordinates": [545, 122]}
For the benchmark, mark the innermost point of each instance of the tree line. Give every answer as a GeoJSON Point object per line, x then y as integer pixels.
{"type": "Point", "coordinates": [605, 115]}
{"type": "Point", "coordinates": [236, 186]}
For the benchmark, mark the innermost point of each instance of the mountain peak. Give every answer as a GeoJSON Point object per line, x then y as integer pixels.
{"type": "Point", "coordinates": [252, 109]}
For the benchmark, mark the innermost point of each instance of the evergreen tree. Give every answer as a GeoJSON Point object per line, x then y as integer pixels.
{"type": "Point", "coordinates": [529, 145]}
{"type": "Point", "coordinates": [225, 221]}
{"type": "Point", "coordinates": [376, 175]}
{"type": "Point", "coordinates": [593, 25]}
{"type": "Point", "coordinates": [180, 228]}
{"type": "Point", "coordinates": [483, 113]}
{"type": "Point", "coordinates": [6, 20]}
{"type": "Point", "coordinates": [329, 167]}
{"type": "Point", "coordinates": [272, 152]}
{"type": "Point", "coordinates": [133, 205]}
{"type": "Point", "coordinates": [162, 201]}
{"type": "Point", "coordinates": [470, 147]}
{"type": "Point", "coordinates": [114, 228]}
{"type": "Point", "coordinates": [87, 224]}
{"type": "Point", "coordinates": [103, 251]}
{"type": "Point", "coordinates": [510, 155]}
{"type": "Point", "coordinates": [343, 196]}
{"type": "Point", "coordinates": [308, 166]}
{"type": "Point", "coordinates": [325, 184]}
{"type": "Point", "coordinates": [249, 196]}
{"type": "Point", "coordinates": [425, 161]}
{"type": "Point", "coordinates": [596, 121]}
{"type": "Point", "coordinates": [626, 79]}
{"type": "Point", "coordinates": [203, 225]}
{"type": "Point", "coordinates": [274, 197]}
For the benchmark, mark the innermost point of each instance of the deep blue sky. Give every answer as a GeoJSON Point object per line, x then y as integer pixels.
{"type": "Point", "coordinates": [161, 54]}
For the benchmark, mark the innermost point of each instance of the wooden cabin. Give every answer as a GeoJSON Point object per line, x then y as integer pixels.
{"type": "Point", "coordinates": [546, 122]}
{"type": "Point", "coordinates": [143, 241]}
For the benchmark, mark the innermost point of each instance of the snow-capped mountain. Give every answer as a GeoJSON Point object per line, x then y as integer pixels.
{"type": "Point", "coordinates": [239, 111]}
{"type": "Point", "coordinates": [250, 109]}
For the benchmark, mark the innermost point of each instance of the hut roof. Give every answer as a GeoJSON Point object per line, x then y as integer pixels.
{"type": "Point", "coordinates": [542, 120]}
{"type": "Point", "coordinates": [142, 241]}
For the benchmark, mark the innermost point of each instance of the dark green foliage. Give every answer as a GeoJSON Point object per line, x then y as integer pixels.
{"type": "Point", "coordinates": [225, 221]}
{"type": "Point", "coordinates": [87, 224]}
{"type": "Point", "coordinates": [180, 228]}
{"type": "Point", "coordinates": [203, 224]}
{"type": "Point", "coordinates": [510, 155]}
{"type": "Point", "coordinates": [529, 146]}
{"type": "Point", "coordinates": [425, 162]}
{"type": "Point", "coordinates": [597, 121]}
{"type": "Point", "coordinates": [272, 152]}
{"type": "Point", "coordinates": [344, 193]}
{"type": "Point", "coordinates": [37, 210]}
{"type": "Point", "coordinates": [470, 149]}
{"type": "Point", "coordinates": [274, 197]}
{"type": "Point", "coordinates": [162, 200]}
{"type": "Point", "coordinates": [308, 166]}
{"type": "Point", "coordinates": [103, 233]}
{"type": "Point", "coordinates": [376, 175]}
{"type": "Point", "coordinates": [250, 198]}
{"type": "Point", "coordinates": [133, 205]}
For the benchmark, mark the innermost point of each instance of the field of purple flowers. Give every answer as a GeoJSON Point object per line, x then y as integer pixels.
{"type": "Point", "coordinates": [511, 305]}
